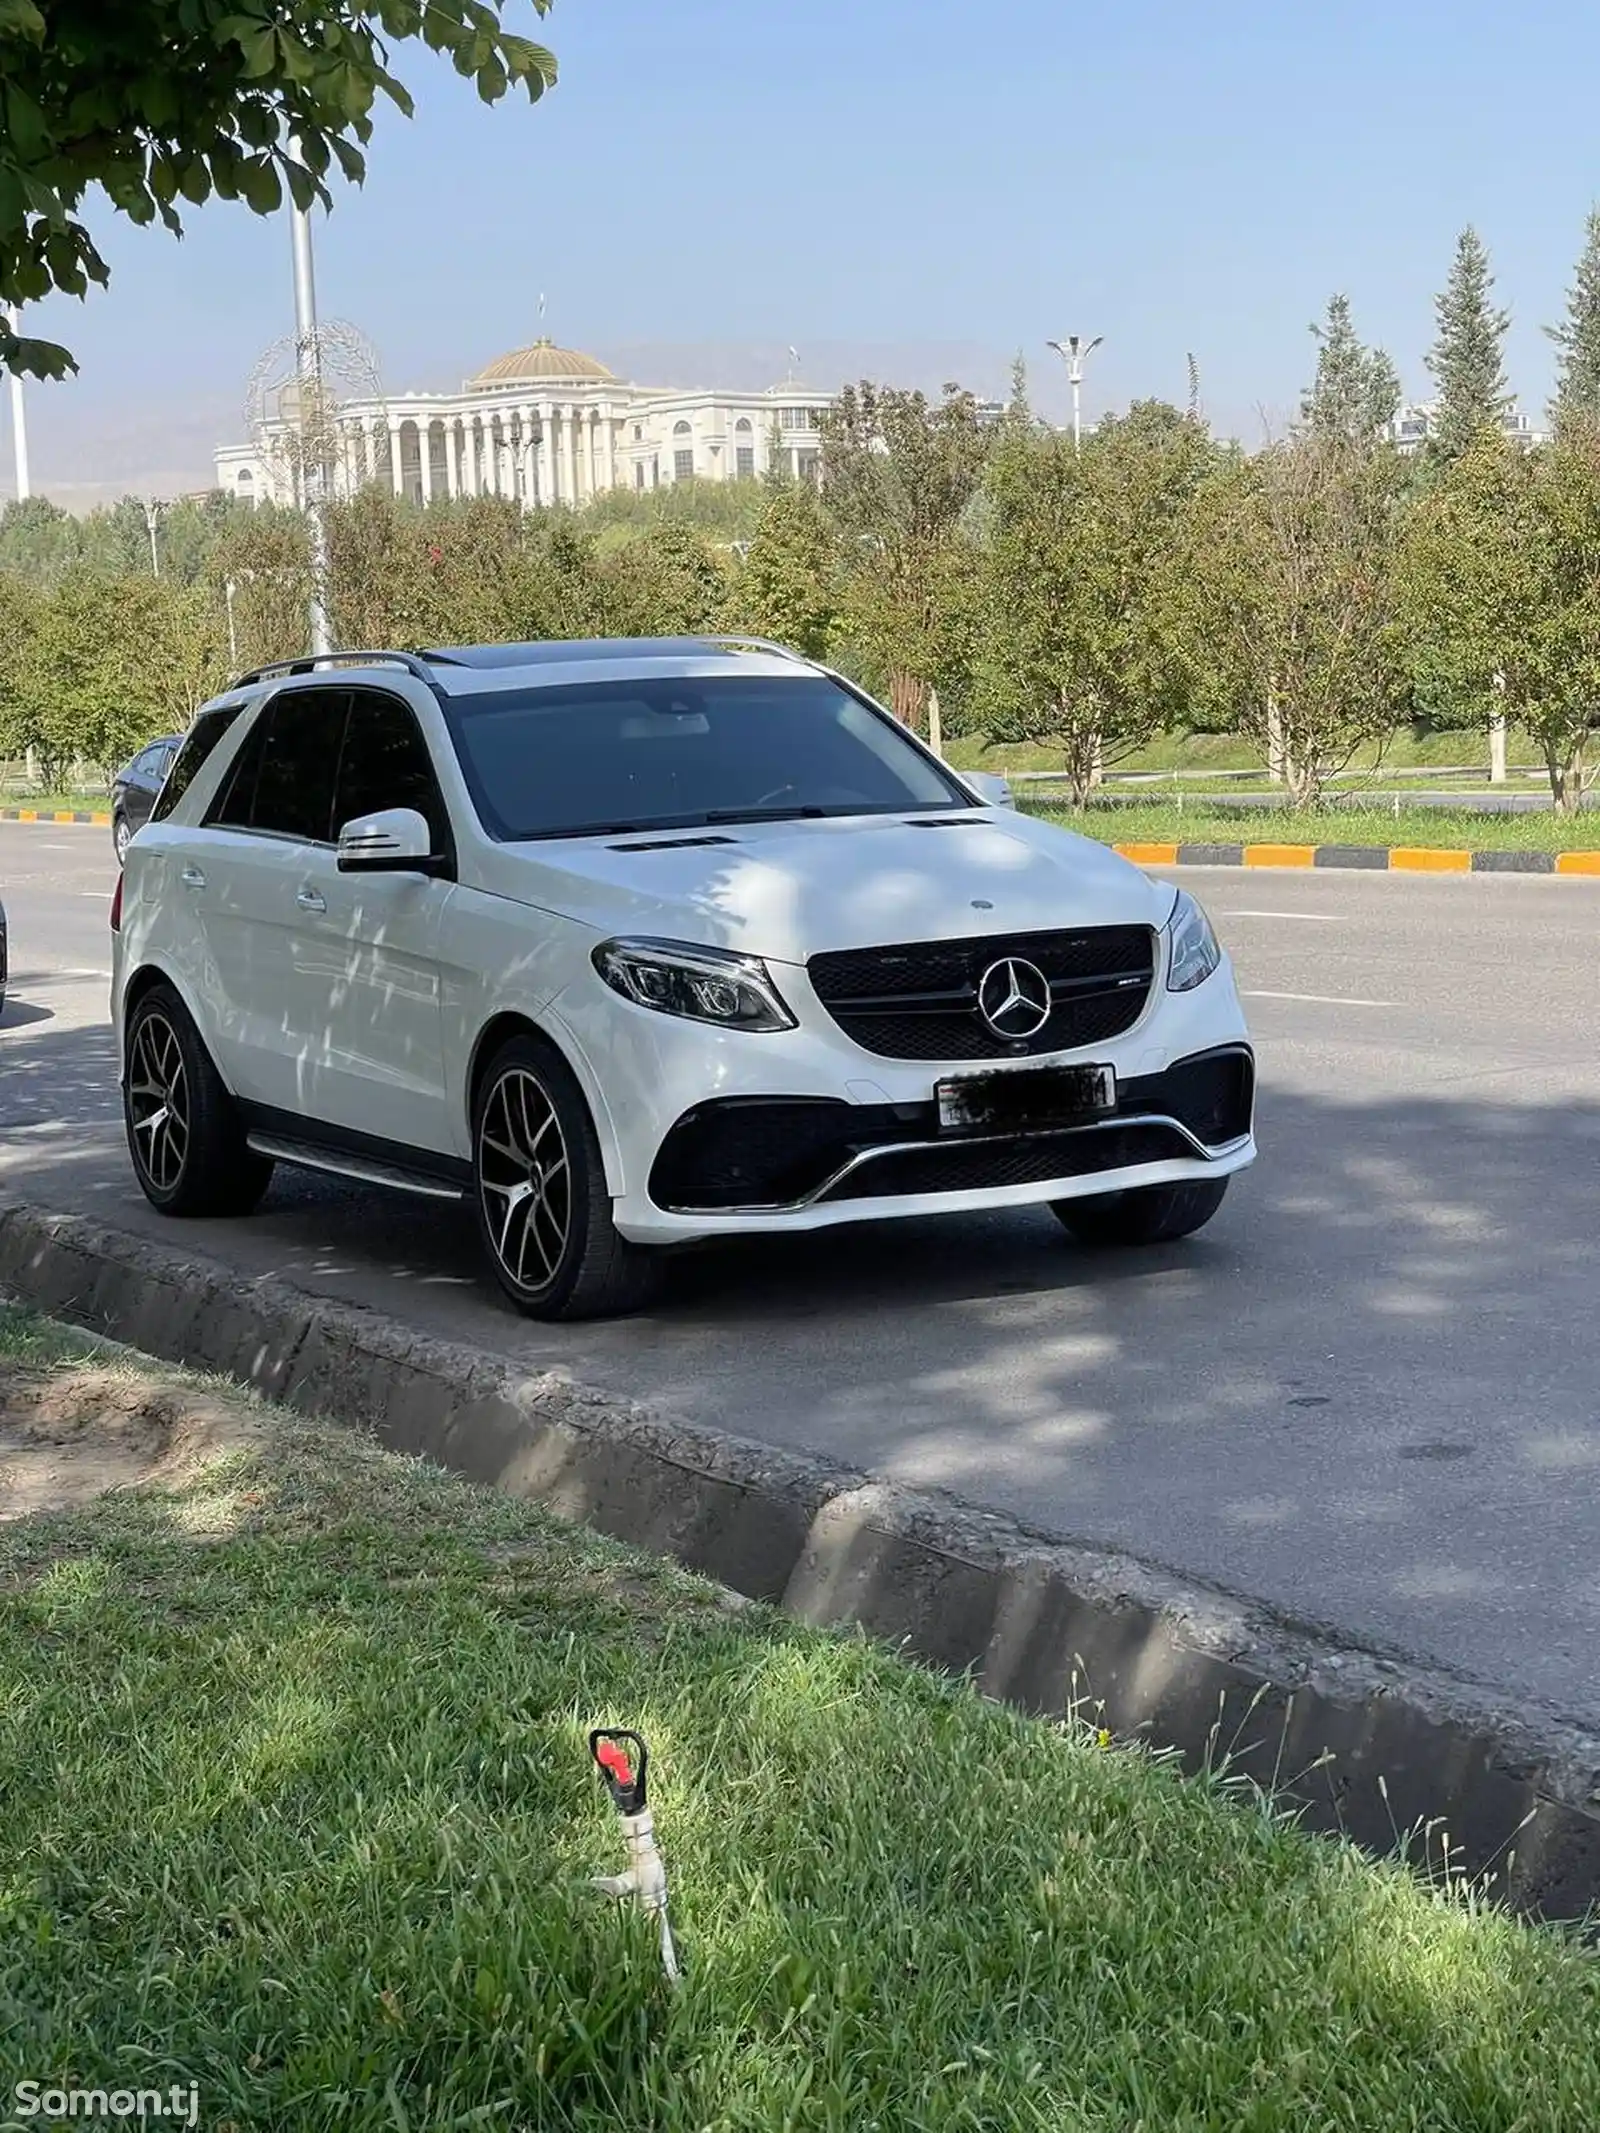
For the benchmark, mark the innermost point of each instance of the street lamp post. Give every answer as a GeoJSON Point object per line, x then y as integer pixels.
{"type": "Point", "coordinates": [313, 444]}
{"type": "Point", "coordinates": [19, 420]}
{"type": "Point", "coordinates": [1075, 351]}
{"type": "Point", "coordinates": [152, 519]}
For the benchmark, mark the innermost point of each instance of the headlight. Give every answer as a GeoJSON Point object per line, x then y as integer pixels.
{"type": "Point", "coordinates": [702, 984]}
{"type": "Point", "coordinates": [1193, 951]}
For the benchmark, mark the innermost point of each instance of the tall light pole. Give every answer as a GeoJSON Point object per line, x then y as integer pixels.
{"type": "Point", "coordinates": [152, 519]}
{"type": "Point", "coordinates": [19, 419]}
{"type": "Point", "coordinates": [313, 443]}
{"type": "Point", "coordinates": [1075, 351]}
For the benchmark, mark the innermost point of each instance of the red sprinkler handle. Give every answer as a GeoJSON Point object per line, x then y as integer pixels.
{"type": "Point", "coordinates": [625, 1780]}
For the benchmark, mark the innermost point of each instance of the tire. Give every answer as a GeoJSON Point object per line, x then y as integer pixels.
{"type": "Point", "coordinates": [185, 1134]}
{"type": "Point", "coordinates": [121, 837]}
{"type": "Point", "coordinates": [1150, 1214]}
{"type": "Point", "coordinates": [539, 1187]}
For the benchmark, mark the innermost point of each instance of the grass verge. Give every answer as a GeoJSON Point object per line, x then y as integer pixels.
{"type": "Point", "coordinates": [1203, 822]}
{"type": "Point", "coordinates": [295, 1805]}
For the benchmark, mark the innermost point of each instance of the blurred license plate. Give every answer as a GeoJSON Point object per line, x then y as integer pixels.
{"type": "Point", "coordinates": [1026, 1099]}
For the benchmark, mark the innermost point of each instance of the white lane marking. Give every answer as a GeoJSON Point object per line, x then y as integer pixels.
{"type": "Point", "coordinates": [1312, 918]}
{"type": "Point", "coordinates": [1316, 999]}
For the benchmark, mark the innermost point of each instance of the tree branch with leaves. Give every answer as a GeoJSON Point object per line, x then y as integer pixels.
{"type": "Point", "coordinates": [161, 105]}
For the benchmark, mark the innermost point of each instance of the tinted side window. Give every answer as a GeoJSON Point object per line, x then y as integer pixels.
{"type": "Point", "coordinates": [386, 764]}
{"type": "Point", "coordinates": [283, 779]}
{"type": "Point", "coordinates": [197, 744]}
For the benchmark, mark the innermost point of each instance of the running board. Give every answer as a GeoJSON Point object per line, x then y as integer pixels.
{"type": "Point", "coordinates": [364, 1169]}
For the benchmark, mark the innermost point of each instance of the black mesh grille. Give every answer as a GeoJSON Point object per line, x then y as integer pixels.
{"type": "Point", "coordinates": [977, 1166]}
{"type": "Point", "coordinates": [920, 1001]}
{"type": "Point", "coordinates": [1213, 1094]}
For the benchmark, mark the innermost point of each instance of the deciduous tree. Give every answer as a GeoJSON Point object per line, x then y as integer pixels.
{"type": "Point", "coordinates": [1502, 596]}
{"type": "Point", "coordinates": [1287, 601]}
{"type": "Point", "coordinates": [787, 587]}
{"type": "Point", "coordinates": [1077, 598]}
{"type": "Point", "coordinates": [899, 476]}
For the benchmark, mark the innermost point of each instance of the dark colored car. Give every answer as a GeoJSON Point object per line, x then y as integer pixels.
{"type": "Point", "coordinates": [134, 789]}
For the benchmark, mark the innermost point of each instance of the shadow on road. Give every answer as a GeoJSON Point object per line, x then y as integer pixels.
{"type": "Point", "coordinates": [1367, 1391]}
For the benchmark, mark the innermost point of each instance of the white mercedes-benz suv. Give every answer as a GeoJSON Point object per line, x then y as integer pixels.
{"type": "Point", "coordinates": [638, 942]}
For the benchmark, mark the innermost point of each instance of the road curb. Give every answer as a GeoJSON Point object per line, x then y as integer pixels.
{"type": "Point", "coordinates": [40, 815]}
{"type": "Point", "coordinates": [1366, 1742]}
{"type": "Point", "coordinates": [1381, 858]}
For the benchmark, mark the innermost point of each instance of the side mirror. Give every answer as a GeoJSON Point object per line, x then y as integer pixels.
{"type": "Point", "coordinates": [397, 841]}
{"type": "Point", "coordinates": [988, 786]}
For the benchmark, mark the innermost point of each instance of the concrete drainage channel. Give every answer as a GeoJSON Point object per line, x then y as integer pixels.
{"type": "Point", "coordinates": [1364, 1743]}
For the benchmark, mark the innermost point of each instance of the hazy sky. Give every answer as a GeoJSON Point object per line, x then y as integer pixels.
{"type": "Point", "coordinates": [915, 176]}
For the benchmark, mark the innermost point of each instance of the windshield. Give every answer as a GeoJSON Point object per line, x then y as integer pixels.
{"type": "Point", "coordinates": [672, 754]}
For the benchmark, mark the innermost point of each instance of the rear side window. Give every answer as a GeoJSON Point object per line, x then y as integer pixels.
{"type": "Point", "coordinates": [197, 745]}
{"type": "Point", "coordinates": [386, 764]}
{"type": "Point", "coordinates": [284, 777]}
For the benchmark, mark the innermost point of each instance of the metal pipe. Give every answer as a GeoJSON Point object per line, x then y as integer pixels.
{"type": "Point", "coordinates": [19, 420]}
{"type": "Point", "coordinates": [308, 365]}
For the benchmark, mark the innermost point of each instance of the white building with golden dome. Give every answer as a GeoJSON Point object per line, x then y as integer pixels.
{"type": "Point", "coordinates": [542, 425]}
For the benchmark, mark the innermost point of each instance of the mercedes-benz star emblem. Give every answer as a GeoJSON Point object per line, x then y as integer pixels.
{"type": "Point", "coordinates": [1014, 998]}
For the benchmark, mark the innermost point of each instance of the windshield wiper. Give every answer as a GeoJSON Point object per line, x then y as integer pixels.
{"type": "Point", "coordinates": [767, 814]}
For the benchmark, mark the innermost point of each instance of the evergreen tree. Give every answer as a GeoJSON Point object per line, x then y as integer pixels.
{"type": "Point", "coordinates": [1356, 392]}
{"type": "Point", "coordinates": [1467, 360]}
{"type": "Point", "coordinates": [1577, 400]}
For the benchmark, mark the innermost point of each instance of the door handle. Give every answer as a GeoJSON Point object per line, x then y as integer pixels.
{"type": "Point", "coordinates": [311, 900]}
{"type": "Point", "coordinates": [192, 878]}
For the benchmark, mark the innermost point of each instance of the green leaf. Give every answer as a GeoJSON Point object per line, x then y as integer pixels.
{"type": "Point", "coordinates": [257, 123]}
{"type": "Point", "coordinates": [260, 53]}
{"type": "Point", "coordinates": [194, 181]}
{"type": "Point", "coordinates": [298, 64]}
{"type": "Point", "coordinates": [26, 123]}
{"type": "Point", "coordinates": [492, 81]}
{"type": "Point", "coordinates": [349, 158]}
{"type": "Point", "coordinates": [20, 18]}
{"type": "Point", "coordinates": [261, 186]}
{"type": "Point", "coordinates": [303, 187]}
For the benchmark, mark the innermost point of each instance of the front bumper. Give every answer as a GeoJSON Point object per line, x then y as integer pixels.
{"type": "Point", "coordinates": [710, 1133]}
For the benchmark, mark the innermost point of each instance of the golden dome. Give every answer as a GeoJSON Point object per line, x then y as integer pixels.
{"type": "Point", "coordinates": [542, 362]}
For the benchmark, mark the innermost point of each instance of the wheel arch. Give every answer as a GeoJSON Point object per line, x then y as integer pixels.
{"type": "Point", "coordinates": [143, 980]}
{"type": "Point", "coordinates": [511, 1022]}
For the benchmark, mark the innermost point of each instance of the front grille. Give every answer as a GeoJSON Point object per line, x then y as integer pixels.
{"type": "Point", "coordinates": [920, 1000]}
{"type": "Point", "coordinates": [980, 1166]}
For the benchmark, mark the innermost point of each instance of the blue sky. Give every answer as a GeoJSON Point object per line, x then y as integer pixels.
{"type": "Point", "coordinates": [918, 175]}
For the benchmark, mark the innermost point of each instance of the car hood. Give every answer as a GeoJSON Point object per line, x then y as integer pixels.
{"type": "Point", "coordinates": [789, 890]}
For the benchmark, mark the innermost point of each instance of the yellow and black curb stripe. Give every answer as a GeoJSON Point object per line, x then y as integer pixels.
{"type": "Point", "coordinates": [37, 814]}
{"type": "Point", "coordinates": [1379, 858]}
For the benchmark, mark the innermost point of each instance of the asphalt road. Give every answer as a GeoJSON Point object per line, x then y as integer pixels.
{"type": "Point", "coordinates": [1369, 1393]}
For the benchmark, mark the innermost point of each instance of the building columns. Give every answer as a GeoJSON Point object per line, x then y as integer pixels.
{"type": "Point", "coordinates": [572, 455]}
{"type": "Point", "coordinates": [550, 486]}
{"type": "Point", "coordinates": [608, 447]}
{"type": "Point", "coordinates": [396, 465]}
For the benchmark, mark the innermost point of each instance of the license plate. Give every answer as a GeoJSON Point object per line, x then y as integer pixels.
{"type": "Point", "coordinates": [1026, 1099]}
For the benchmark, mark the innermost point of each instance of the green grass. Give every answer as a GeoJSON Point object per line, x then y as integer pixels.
{"type": "Point", "coordinates": [295, 1805]}
{"type": "Point", "coordinates": [1202, 821]}
{"type": "Point", "coordinates": [47, 802]}
{"type": "Point", "coordinates": [1408, 750]}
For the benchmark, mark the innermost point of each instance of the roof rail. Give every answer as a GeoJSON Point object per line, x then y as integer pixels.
{"type": "Point", "coordinates": [737, 643]}
{"type": "Point", "coordinates": [309, 662]}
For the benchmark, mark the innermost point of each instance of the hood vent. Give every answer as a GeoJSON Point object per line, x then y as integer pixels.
{"type": "Point", "coordinates": [948, 822]}
{"type": "Point", "coordinates": [671, 844]}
